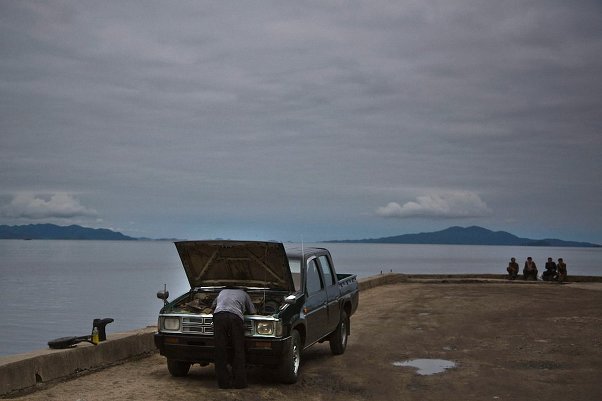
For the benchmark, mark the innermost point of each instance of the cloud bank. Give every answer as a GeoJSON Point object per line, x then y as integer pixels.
{"type": "Point", "coordinates": [457, 204]}
{"type": "Point", "coordinates": [34, 206]}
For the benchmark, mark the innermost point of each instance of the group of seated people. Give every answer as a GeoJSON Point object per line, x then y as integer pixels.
{"type": "Point", "coordinates": [554, 271]}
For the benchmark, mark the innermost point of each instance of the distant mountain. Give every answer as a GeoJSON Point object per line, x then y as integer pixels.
{"type": "Point", "coordinates": [52, 231]}
{"type": "Point", "coordinates": [469, 236]}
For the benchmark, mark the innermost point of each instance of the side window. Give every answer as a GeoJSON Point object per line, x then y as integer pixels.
{"type": "Point", "coordinates": [326, 271]}
{"type": "Point", "coordinates": [314, 282]}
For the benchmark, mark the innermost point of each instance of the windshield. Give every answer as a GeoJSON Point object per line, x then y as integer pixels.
{"type": "Point", "coordinates": [295, 266]}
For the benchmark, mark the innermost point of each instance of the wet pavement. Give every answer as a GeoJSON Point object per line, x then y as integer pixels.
{"type": "Point", "coordinates": [427, 367]}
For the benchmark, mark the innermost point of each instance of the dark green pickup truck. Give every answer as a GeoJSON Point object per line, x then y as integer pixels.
{"type": "Point", "coordinates": [299, 298]}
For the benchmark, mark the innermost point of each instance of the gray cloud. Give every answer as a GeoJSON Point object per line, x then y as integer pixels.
{"type": "Point", "coordinates": [446, 205]}
{"type": "Point", "coordinates": [32, 206]}
{"type": "Point", "coordinates": [214, 119]}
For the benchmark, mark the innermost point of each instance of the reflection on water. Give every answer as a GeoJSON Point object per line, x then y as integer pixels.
{"type": "Point", "coordinates": [427, 366]}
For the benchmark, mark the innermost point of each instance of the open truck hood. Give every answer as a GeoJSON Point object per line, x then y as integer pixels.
{"type": "Point", "coordinates": [236, 263]}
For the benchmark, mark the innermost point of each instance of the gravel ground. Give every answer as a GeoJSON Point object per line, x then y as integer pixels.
{"type": "Point", "coordinates": [508, 341]}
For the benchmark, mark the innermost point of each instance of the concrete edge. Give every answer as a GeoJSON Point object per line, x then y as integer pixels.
{"type": "Point", "coordinates": [466, 278]}
{"type": "Point", "coordinates": [24, 373]}
{"type": "Point", "coordinates": [382, 279]}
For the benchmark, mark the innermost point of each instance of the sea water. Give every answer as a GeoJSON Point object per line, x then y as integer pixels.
{"type": "Point", "coordinates": [51, 289]}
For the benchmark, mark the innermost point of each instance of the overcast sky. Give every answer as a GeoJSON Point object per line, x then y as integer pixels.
{"type": "Point", "coordinates": [284, 120]}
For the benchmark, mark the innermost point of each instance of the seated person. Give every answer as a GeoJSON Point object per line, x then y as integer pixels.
{"type": "Point", "coordinates": [561, 270]}
{"type": "Point", "coordinates": [512, 269]}
{"type": "Point", "coordinates": [530, 270]}
{"type": "Point", "coordinates": [550, 273]}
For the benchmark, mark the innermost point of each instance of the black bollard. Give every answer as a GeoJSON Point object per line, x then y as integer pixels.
{"type": "Point", "coordinates": [101, 324]}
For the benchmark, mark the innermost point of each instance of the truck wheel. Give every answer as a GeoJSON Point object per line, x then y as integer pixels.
{"type": "Point", "coordinates": [289, 367]}
{"type": "Point", "coordinates": [338, 338]}
{"type": "Point", "coordinates": [178, 368]}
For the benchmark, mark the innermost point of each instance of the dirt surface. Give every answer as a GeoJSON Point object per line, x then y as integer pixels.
{"type": "Point", "coordinates": [509, 341]}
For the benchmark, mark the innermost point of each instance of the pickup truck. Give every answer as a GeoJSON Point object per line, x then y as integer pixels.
{"type": "Point", "coordinates": [299, 298]}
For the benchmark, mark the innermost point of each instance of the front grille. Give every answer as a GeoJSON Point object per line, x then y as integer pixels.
{"type": "Point", "coordinates": [200, 325]}
{"type": "Point", "coordinates": [204, 325]}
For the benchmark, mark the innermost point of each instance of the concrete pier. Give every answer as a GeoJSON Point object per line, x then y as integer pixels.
{"type": "Point", "coordinates": [25, 372]}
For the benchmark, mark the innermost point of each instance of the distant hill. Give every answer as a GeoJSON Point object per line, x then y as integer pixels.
{"type": "Point", "coordinates": [469, 236]}
{"type": "Point", "coordinates": [52, 231]}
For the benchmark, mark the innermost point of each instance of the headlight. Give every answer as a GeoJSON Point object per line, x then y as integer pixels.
{"type": "Point", "coordinates": [171, 323]}
{"type": "Point", "coordinates": [265, 328]}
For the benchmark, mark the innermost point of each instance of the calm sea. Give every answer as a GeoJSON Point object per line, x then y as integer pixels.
{"type": "Point", "coordinates": [51, 289]}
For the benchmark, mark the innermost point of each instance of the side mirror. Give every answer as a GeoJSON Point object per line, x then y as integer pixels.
{"type": "Point", "coordinates": [291, 299]}
{"type": "Point", "coordinates": [163, 294]}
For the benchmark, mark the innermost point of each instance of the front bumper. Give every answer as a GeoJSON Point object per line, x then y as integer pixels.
{"type": "Point", "coordinates": [201, 349]}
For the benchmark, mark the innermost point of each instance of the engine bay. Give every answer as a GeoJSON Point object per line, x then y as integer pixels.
{"type": "Point", "coordinates": [200, 303]}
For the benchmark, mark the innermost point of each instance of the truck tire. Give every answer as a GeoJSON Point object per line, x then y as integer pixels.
{"type": "Point", "coordinates": [289, 367]}
{"type": "Point", "coordinates": [178, 368]}
{"type": "Point", "coordinates": [338, 338]}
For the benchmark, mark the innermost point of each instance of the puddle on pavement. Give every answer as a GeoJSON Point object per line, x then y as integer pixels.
{"type": "Point", "coordinates": [427, 366]}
